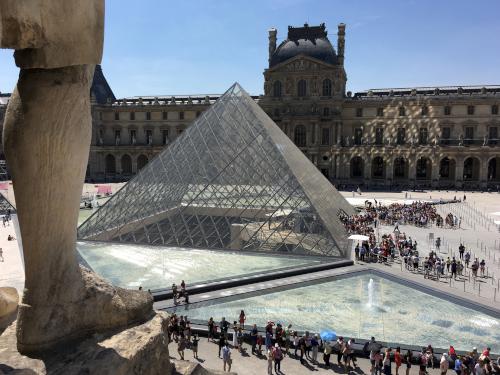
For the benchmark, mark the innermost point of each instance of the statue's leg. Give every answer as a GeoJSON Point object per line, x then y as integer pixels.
{"type": "Point", "coordinates": [47, 133]}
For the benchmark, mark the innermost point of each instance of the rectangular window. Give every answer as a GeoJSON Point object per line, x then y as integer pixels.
{"type": "Point", "coordinates": [379, 136]}
{"type": "Point", "coordinates": [358, 136]}
{"type": "Point", "coordinates": [469, 135]}
{"type": "Point", "coordinates": [148, 115]}
{"type": "Point", "coordinates": [380, 112]}
{"type": "Point", "coordinates": [446, 133]}
{"type": "Point", "coordinates": [198, 113]}
{"type": "Point", "coordinates": [494, 109]}
{"type": "Point", "coordinates": [100, 116]}
{"type": "Point", "coordinates": [117, 137]}
{"type": "Point", "coordinates": [165, 136]}
{"type": "Point", "coordinates": [117, 116]}
{"type": "Point", "coordinates": [132, 116]}
{"type": "Point", "coordinates": [179, 131]}
{"type": "Point", "coordinates": [133, 137]}
{"type": "Point", "coordinates": [359, 112]}
{"type": "Point", "coordinates": [470, 110]}
{"type": "Point", "coordinates": [325, 173]}
{"type": "Point", "coordinates": [425, 110]}
{"type": "Point", "coordinates": [100, 139]}
{"type": "Point", "coordinates": [422, 136]}
{"type": "Point", "coordinates": [326, 111]}
{"type": "Point", "coordinates": [149, 137]}
{"type": "Point", "coordinates": [447, 110]}
{"type": "Point", "coordinates": [401, 136]}
{"type": "Point", "coordinates": [493, 132]}
{"type": "Point", "coordinates": [181, 115]}
{"type": "Point", "coordinates": [325, 136]}
{"type": "Point", "coordinates": [165, 115]}
{"type": "Point", "coordinates": [402, 111]}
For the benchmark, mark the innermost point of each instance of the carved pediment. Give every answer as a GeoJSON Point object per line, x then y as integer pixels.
{"type": "Point", "coordinates": [301, 63]}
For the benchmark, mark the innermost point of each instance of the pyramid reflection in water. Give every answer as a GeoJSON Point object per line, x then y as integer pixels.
{"type": "Point", "coordinates": [232, 180]}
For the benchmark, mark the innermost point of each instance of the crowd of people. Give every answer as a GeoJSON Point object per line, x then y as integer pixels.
{"type": "Point", "coordinates": [278, 342]}
{"type": "Point", "coordinates": [420, 214]}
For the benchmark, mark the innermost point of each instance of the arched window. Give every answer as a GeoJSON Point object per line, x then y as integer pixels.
{"type": "Point", "coordinates": [327, 87]}
{"type": "Point", "coordinates": [302, 88]}
{"type": "Point", "coordinates": [471, 169]}
{"type": "Point", "coordinates": [424, 168]}
{"type": "Point", "coordinates": [444, 168]}
{"type": "Point", "coordinates": [378, 167]}
{"type": "Point", "coordinates": [110, 164]}
{"type": "Point", "coordinates": [277, 89]}
{"type": "Point", "coordinates": [399, 168]}
{"type": "Point", "coordinates": [142, 160]}
{"type": "Point", "coordinates": [126, 164]}
{"type": "Point", "coordinates": [300, 136]}
{"type": "Point", "coordinates": [493, 174]}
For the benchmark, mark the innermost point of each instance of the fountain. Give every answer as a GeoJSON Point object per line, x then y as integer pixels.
{"type": "Point", "coordinates": [370, 292]}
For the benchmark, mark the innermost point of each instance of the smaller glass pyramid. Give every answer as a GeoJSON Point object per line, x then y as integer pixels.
{"type": "Point", "coordinates": [232, 180]}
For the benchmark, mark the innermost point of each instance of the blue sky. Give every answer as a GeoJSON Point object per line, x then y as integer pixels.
{"type": "Point", "coordinates": [156, 47]}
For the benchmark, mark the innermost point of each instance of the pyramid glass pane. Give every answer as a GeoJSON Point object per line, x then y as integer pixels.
{"type": "Point", "coordinates": [232, 180]}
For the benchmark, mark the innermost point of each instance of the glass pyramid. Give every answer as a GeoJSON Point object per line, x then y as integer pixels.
{"type": "Point", "coordinates": [232, 180]}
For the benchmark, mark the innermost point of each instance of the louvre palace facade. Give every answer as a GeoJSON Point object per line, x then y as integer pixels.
{"type": "Point", "coordinates": [380, 138]}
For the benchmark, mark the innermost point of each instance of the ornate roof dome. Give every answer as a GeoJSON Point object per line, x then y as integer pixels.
{"type": "Point", "coordinates": [308, 40]}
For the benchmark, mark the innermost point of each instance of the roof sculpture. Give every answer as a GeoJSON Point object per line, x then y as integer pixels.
{"type": "Point", "coordinates": [232, 180]}
{"type": "Point", "coordinates": [308, 40]}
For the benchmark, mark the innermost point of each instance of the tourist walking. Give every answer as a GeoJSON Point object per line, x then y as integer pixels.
{"type": "Point", "coordinates": [194, 346]}
{"type": "Point", "coordinates": [226, 357]}
{"type": "Point", "coordinates": [270, 359]}
{"type": "Point", "coordinates": [277, 356]}
{"type": "Point", "coordinates": [181, 345]}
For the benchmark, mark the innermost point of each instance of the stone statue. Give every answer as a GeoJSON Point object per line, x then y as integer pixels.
{"type": "Point", "coordinates": [47, 132]}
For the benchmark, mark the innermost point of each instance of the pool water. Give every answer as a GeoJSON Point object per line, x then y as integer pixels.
{"type": "Point", "coordinates": [153, 267]}
{"type": "Point", "coordinates": [363, 306]}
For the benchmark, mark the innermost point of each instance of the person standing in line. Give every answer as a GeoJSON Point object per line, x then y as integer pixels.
{"type": "Point", "coordinates": [253, 338]}
{"type": "Point", "coordinates": [408, 358]}
{"type": "Point", "coordinates": [326, 353]}
{"type": "Point", "coordinates": [387, 362]}
{"type": "Point", "coordinates": [315, 347]}
{"type": "Point", "coordinates": [211, 329]}
{"type": "Point", "coordinates": [458, 365]}
{"type": "Point", "coordinates": [397, 359]}
{"type": "Point", "coordinates": [226, 357]}
{"type": "Point", "coordinates": [444, 364]}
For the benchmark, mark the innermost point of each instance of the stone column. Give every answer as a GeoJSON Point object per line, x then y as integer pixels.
{"type": "Point", "coordinates": [47, 133]}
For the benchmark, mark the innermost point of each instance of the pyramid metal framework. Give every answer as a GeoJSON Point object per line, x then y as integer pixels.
{"type": "Point", "coordinates": [232, 180]}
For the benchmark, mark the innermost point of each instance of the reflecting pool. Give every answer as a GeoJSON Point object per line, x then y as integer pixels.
{"type": "Point", "coordinates": [363, 306]}
{"type": "Point", "coordinates": [153, 267]}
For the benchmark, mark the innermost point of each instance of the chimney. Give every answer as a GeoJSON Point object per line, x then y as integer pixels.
{"type": "Point", "coordinates": [341, 43]}
{"type": "Point", "coordinates": [272, 42]}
